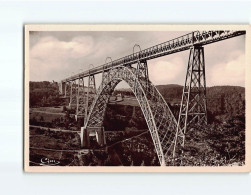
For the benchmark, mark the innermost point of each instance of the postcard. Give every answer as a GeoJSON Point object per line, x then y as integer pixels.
{"type": "Point", "coordinates": [137, 98]}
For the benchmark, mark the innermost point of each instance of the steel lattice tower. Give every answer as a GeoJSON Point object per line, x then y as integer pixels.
{"type": "Point", "coordinates": [91, 91]}
{"type": "Point", "coordinates": [193, 108]}
{"type": "Point", "coordinates": [80, 98]}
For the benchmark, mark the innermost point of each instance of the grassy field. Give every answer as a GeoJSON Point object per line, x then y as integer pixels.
{"type": "Point", "coordinates": [45, 116]}
{"type": "Point", "coordinates": [56, 109]}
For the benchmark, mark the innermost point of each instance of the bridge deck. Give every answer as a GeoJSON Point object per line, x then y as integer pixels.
{"type": "Point", "coordinates": [172, 46]}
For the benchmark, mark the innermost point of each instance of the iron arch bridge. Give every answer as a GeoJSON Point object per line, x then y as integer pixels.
{"type": "Point", "coordinates": [167, 133]}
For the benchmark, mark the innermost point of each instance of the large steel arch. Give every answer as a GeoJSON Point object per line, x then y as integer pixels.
{"type": "Point", "coordinates": [159, 118]}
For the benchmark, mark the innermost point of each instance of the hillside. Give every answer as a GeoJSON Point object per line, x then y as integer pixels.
{"type": "Point", "coordinates": [226, 113]}
{"type": "Point", "coordinates": [220, 143]}
{"type": "Point", "coordinates": [44, 93]}
{"type": "Point", "coordinates": [222, 101]}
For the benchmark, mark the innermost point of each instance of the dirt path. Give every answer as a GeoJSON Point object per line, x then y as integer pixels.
{"type": "Point", "coordinates": [53, 129]}
{"type": "Point", "coordinates": [47, 112]}
{"type": "Point", "coordinates": [56, 150]}
{"type": "Point", "coordinates": [52, 113]}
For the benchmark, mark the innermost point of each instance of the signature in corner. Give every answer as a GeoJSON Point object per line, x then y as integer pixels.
{"type": "Point", "coordinates": [48, 162]}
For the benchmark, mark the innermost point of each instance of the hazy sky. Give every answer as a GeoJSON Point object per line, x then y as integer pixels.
{"type": "Point", "coordinates": [57, 55]}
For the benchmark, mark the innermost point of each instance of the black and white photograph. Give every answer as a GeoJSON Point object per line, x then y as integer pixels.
{"type": "Point", "coordinates": [124, 97]}
{"type": "Point", "coordinates": [135, 96]}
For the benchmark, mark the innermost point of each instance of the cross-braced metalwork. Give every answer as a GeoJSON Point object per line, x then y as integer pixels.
{"type": "Point", "coordinates": [73, 94]}
{"type": "Point", "coordinates": [159, 118]}
{"type": "Point", "coordinates": [166, 132]}
{"type": "Point", "coordinates": [91, 91]}
{"type": "Point", "coordinates": [67, 89]}
{"type": "Point", "coordinates": [193, 108]}
{"type": "Point", "coordinates": [169, 47]}
{"type": "Point", "coordinates": [81, 98]}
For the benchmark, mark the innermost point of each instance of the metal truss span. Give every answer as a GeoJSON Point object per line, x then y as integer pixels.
{"type": "Point", "coordinates": [159, 118]}
{"type": "Point", "coordinates": [169, 47]}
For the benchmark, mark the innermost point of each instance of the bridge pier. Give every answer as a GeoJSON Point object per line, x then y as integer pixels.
{"type": "Point", "coordinates": [92, 135]}
{"type": "Point", "coordinates": [91, 85]}
{"type": "Point", "coordinates": [193, 108]}
{"type": "Point", "coordinates": [80, 97]}
{"type": "Point", "coordinates": [70, 95]}
{"type": "Point", "coordinates": [65, 89]}
{"type": "Point", "coordinates": [73, 94]}
{"type": "Point", "coordinates": [62, 88]}
{"type": "Point", "coordinates": [142, 73]}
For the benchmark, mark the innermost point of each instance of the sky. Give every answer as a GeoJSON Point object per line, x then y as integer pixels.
{"type": "Point", "coordinates": [57, 55]}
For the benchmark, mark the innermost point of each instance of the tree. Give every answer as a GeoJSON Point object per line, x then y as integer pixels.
{"type": "Point", "coordinates": [67, 119]}
{"type": "Point", "coordinates": [41, 119]}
